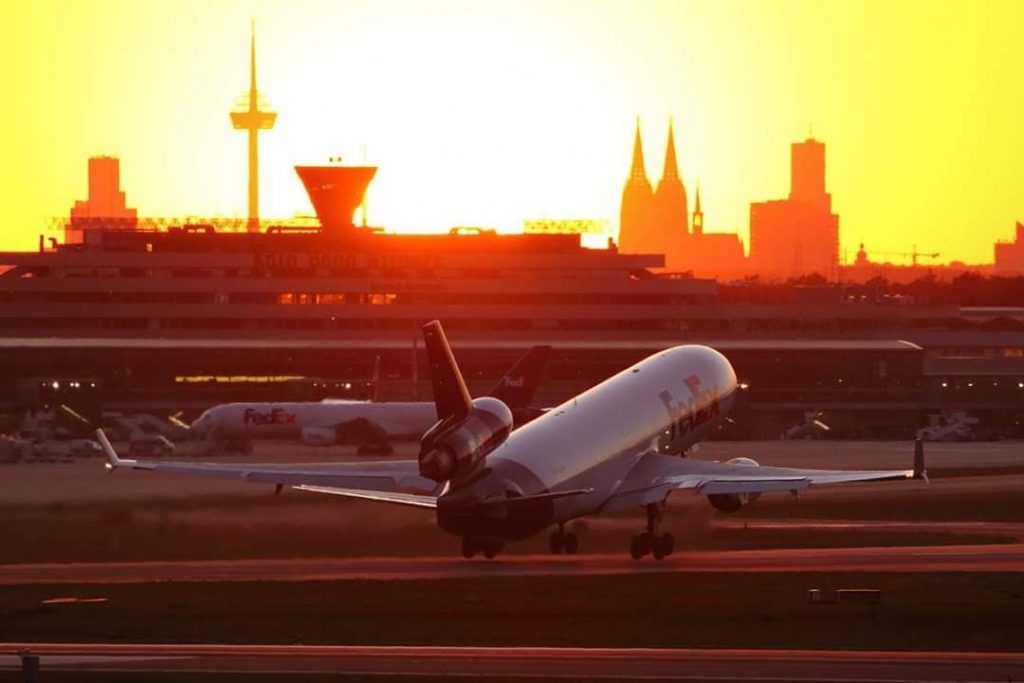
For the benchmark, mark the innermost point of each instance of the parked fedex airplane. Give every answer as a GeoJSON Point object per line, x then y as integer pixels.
{"type": "Point", "coordinates": [607, 449]}
{"type": "Point", "coordinates": [332, 421]}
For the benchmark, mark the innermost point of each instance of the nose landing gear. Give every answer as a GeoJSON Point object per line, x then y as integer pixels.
{"type": "Point", "coordinates": [658, 545]}
{"type": "Point", "coordinates": [564, 542]}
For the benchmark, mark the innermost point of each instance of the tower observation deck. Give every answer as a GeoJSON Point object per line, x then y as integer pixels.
{"type": "Point", "coordinates": [252, 117]}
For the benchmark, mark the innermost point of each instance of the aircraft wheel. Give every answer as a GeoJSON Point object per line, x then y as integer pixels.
{"type": "Point", "coordinates": [468, 547]}
{"type": "Point", "coordinates": [668, 544]}
{"type": "Point", "coordinates": [492, 548]}
{"type": "Point", "coordinates": [556, 543]}
{"type": "Point", "coordinates": [571, 543]}
{"type": "Point", "coordinates": [640, 546]}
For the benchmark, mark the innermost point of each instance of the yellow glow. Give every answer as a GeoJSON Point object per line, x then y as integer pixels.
{"type": "Point", "coordinates": [484, 113]}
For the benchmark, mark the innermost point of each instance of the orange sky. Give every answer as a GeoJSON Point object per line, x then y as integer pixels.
{"type": "Point", "coordinates": [488, 113]}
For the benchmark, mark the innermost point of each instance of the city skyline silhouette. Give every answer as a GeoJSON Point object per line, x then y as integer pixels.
{"type": "Point", "coordinates": [504, 115]}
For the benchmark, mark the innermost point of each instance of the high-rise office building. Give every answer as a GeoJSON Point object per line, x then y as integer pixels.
{"type": "Point", "coordinates": [798, 235]}
{"type": "Point", "coordinates": [1009, 256]}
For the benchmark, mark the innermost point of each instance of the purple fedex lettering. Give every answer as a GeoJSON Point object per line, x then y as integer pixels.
{"type": "Point", "coordinates": [274, 416]}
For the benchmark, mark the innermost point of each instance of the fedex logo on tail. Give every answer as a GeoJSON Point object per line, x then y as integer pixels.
{"type": "Point", "coordinates": [274, 416]}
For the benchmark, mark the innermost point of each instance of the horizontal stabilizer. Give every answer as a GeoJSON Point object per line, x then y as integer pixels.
{"type": "Point", "coordinates": [379, 496]}
{"type": "Point", "coordinates": [551, 495]}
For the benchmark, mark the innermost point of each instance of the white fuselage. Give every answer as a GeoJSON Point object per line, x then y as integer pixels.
{"type": "Point", "coordinates": [594, 439]}
{"type": "Point", "coordinates": [288, 420]}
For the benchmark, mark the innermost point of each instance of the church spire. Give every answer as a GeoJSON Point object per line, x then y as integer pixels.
{"type": "Point", "coordinates": [671, 171]}
{"type": "Point", "coordinates": [698, 215]}
{"type": "Point", "coordinates": [638, 171]}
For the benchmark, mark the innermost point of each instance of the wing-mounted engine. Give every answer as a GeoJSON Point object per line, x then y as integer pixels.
{"type": "Point", "coordinates": [731, 502]}
{"type": "Point", "coordinates": [455, 447]}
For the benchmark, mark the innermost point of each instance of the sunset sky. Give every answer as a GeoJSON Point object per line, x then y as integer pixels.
{"type": "Point", "coordinates": [487, 113]}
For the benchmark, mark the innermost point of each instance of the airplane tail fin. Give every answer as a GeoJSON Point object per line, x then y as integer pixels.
{"type": "Point", "coordinates": [919, 469]}
{"type": "Point", "coordinates": [451, 397]}
{"type": "Point", "coordinates": [517, 387]}
{"type": "Point", "coordinates": [375, 380]}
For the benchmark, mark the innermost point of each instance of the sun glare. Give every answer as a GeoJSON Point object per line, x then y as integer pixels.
{"type": "Point", "coordinates": [491, 114]}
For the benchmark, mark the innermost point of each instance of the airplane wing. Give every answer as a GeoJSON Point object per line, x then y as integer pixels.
{"type": "Point", "coordinates": [654, 476]}
{"type": "Point", "coordinates": [383, 481]}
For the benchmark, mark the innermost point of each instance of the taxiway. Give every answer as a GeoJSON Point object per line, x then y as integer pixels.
{"type": "Point", "coordinates": [676, 664]}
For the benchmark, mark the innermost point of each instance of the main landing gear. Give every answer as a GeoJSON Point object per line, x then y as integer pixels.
{"type": "Point", "coordinates": [658, 545]}
{"type": "Point", "coordinates": [488, 547]}
{"type": "Point", "coordinates": [564, 542]}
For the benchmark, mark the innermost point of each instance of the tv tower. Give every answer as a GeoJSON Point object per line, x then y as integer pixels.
{"type": "Point", "coordinates": [249, 116]}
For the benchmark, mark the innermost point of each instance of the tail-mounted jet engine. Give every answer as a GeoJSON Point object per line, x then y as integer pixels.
{"type": "Point", "coordinates": [455, 447]}
{"type": "Point", "coordinates": [731, 502]}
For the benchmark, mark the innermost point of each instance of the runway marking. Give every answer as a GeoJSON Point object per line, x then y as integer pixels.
{"type": "Point", "coordinates": [974, 558]}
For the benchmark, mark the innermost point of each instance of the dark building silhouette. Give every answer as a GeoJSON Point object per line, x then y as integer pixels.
{"type": "Point", "coordinates": [798, 235]}
{"type": "Point", "coordinates": [671, 215]}
{"type": "Point", "coordinates": [106, 205]}
{"type": "Point", "coordinates": [106, 200]}
{"type": "Point", "coordinates": [636, 223]}
{"type": "Point", "coordinates": [654, 222]}
{"type": "Point", "coordinates": [658, 222]}
{"type": "Point", "coordinates": [1009, 256]}
{"type": "Point", "coordinates": [717, 254]}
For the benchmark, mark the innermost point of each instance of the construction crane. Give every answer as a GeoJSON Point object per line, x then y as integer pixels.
{"type": "Point", "coordinates": [914, 254]}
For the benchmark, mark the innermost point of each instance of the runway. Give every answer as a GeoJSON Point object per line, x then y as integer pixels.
{"type": "Point", "coordinates": [675, 664]}
{"type": "Point", "coordinates": [956, 558]}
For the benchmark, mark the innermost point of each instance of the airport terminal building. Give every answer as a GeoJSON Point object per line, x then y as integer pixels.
{"type": "Point", "coordinates": [192, 315]}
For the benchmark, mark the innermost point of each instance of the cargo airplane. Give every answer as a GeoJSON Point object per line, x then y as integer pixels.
{"type": "Point", "coordinates": [613, 447]}
{"type": "Point", "coordinates": [370, 424]}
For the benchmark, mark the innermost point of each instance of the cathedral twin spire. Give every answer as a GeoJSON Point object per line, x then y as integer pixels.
{"type": "Point", "coordinates": [638, 170]}
{"type": "Point", "coordinates": [670, 171]}
{"type": "Point", "coordinates": [654, 221]}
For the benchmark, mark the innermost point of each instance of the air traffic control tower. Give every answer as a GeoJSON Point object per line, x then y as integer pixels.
{"type": "Point", "coordinates": [336, 192]}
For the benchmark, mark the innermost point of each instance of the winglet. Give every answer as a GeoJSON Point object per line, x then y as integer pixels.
{"type": "Point", "coordinates": [451, 397]}
{"type": "Point", "coordinates": [112, 460]}
{"type": "Point", "coordinates": [919, 470]}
